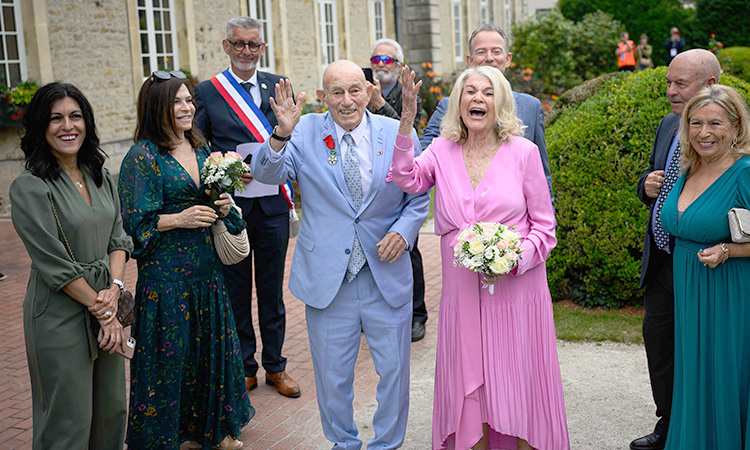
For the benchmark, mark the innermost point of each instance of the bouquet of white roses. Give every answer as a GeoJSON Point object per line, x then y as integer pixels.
{"type": "Point", "coordinates": [488, 248]}
{"type": "Point", "coordinates": [222, 172]}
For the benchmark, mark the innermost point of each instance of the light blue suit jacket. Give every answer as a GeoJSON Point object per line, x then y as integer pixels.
{"type": "Point", "coordinates": [329, 220]}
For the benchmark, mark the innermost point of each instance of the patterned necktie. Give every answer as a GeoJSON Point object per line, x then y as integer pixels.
{"type": "Point", "coordinates": [660, 236]}
{"type": "Point", "coordinates": [354, 183]}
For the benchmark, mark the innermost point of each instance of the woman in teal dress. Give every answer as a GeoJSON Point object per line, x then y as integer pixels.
{"type": "Point", "coordinates": [711, 276]}
{"type": "Point", "coordinates": [77, 386]}
{"type": "Point", "coordinates": [187, 382]}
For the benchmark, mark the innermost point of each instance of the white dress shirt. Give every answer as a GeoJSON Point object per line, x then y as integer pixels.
{"type": "Point", "coordinates": [254, 89]}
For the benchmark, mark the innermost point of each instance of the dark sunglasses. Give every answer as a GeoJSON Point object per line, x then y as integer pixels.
{"type": "Point", "coordinates": [164, 75]}
{"type": "Point", "coordinates": [384, 59]}
{"type": "Point", "coordinates": [240, 46]}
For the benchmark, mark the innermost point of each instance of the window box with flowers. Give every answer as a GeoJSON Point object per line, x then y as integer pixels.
{"type": "Point", "coordinates": [13, 102]}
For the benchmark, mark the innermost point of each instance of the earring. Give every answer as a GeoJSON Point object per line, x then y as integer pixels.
{"type": "Point", "coordinates": [734, 143]}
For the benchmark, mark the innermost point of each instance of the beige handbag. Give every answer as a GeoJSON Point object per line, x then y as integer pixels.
{"type": "Point", "coordinates": [231, 248]}
{"type": "Point", "coordinates": [739, 224]}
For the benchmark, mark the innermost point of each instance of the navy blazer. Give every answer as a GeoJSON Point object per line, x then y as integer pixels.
{"type": "Point", "coordinates": [224, 130]}
{"type": "Point", "coordinates": [658, 161]}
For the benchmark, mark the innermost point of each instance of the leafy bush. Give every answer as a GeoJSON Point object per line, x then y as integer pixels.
{"type": "Point", "coordinates": [736, 61]}
{"type": "Point", "coordinates": [653, 17]}
{"type": "Point", "coordinates": [598, 150]}
{"type": "Point", "coordinates": [564, 53]}
{"type": "Point", "coordinates": [726, 18]}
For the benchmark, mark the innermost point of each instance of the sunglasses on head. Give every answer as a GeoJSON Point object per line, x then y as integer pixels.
{"type": "Point", "coordinates": [164, 75]}
{"type": "Point", "coordinates": [383, 58]}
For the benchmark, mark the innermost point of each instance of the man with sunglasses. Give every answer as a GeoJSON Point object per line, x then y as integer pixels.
{"type": "Point", "coordinates": [488, 46]}
{"type": "Point", "coordinates": [386, 59]}
{"type": "Point", "coordinates": [233, 108]}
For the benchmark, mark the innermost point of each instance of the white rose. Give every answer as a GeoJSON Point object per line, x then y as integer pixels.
{"type": "Point", "coordinates": [500, 266]}
{"type": "Point", "coordinates": [475, 246]}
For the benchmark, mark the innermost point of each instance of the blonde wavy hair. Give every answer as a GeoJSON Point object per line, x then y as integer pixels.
{"type": "Point", "coordinates": [733, 105]}
{"type": "Point", "coordinates": [506, 123]}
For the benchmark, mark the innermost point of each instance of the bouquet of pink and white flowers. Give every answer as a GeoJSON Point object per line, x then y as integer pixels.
{"type": "Point", "coordinates": [488, 248]}
{"type": "Point", "coordinates": [223, 172]}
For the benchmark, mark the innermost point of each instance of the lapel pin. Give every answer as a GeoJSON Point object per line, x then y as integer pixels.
{"type": "Point", "coordinates": [263, 85]}
{"type": "Point", "coordinates": [379, 153]}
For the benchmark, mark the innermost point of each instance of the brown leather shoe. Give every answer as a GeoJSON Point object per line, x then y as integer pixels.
{"type": "Point", "coordinates": [284, 384]}
{"type": "Point", "coordinates": [251, 383]}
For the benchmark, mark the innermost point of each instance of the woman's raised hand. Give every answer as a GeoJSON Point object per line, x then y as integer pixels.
{"type": "Point", "coordinates": [409, 93]}
{"type": "Point", "coordinates": [284, 107]}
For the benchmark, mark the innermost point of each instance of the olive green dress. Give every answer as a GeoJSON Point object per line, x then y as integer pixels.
{"type": "Point", "coordinates": [77, 390]}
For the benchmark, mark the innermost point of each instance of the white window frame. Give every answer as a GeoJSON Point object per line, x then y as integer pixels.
{"type": "Point", "coordinates": [260, 10]}
{"type": "Point", "coordinates": [458, 33]}
{"type": "Point", "coordinates": [329, 42]}
{"type": "Point", "coordinates": [507, 17]}
{"type": "Point", "coordinates": [484, 12]}
{"type": "Point", "coordinates": [150, 33]}
{"type": "Point", "coordinates": [378, 19]}
{"type": "Point", "coordinates": [20, 43]}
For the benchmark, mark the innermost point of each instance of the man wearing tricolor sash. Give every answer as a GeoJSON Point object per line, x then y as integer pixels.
{"type": "Point", "coordinates": [233, 111]}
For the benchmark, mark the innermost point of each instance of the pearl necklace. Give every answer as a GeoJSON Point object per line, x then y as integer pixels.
{"type": "Point", "coordinates": [79, 184]}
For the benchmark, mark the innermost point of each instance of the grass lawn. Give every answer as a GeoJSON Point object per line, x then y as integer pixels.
{"type": "Point", "coordinates": [574, 323]}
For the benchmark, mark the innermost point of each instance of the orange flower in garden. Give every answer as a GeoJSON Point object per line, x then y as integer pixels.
{"type": "Point", "coordinates": [713, 35]}
{"type": "Point", "coordinates": [554, 97]}
{"type": "Point", "coordinates": [526, 78]}
{"type": "Point", "coordinates": [721, 45]}
{"type": "Point", "coordinates": [431, 74]}
{"type": "Point", "coordinates": [429, 65]}
{"type": "Point", "coordinates": [512, 65]}
{"type": "Point", "coordinates": [424, 65]}
{"type": "Point", "coordinates": [527, 71]}
{"type": "Point", "coordinates": [440, 98]}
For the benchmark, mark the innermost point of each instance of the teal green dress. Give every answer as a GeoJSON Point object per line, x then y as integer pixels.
{"type": "Point", "coordinates": [186, 378]}
{"type": "Point", "coordinates": [712, 320]}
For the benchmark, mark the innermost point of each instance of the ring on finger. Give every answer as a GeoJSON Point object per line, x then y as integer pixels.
{"type": "Point", "coordinates": [108, 313]}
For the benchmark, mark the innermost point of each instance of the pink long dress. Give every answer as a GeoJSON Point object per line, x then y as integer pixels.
{"type": "Point", "coordinates": [496, 356]}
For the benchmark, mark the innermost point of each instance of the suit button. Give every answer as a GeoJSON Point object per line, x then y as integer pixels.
{"type": "Point", "coordinates": [356, 220]}
{"type": "Point", "coordinates": [347, 251]}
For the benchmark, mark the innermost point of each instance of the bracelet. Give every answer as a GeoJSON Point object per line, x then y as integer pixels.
{"type": "Point", "coordinates": [403, 149]}
{"type": "Point", "coordinates": [724, 249]}
{"type": "Point", "coordinates": [120, 284]}
{"type": "Point", "coordinates": [277, 137]}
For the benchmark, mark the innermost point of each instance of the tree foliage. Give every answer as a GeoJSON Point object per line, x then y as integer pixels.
{"type": "Point", "coordinates": [727, 19]}
{"type": "Point", "coordinates": [598, 149]}
{"type": "Point", "coordinates": [653, 17]}
{"type": "Point", "coordinates": [564, 53]}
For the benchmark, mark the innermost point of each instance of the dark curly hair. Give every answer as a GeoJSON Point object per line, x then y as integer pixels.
{"type": "Point", "coordinates": [37, 152]}
{"type": "Point", "coordinates": [156, 121]}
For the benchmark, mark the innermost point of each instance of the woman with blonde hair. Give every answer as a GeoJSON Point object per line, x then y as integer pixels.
{"type": "Point", "coordinates": [497, 377]}
{"type": "Point", "coordinates": [711, 276]}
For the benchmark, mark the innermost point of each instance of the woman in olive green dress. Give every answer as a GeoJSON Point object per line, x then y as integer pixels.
{"type": "Point", "coordinates": [77, 383]}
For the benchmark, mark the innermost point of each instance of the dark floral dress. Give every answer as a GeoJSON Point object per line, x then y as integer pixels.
{"type": "Point", "coordinates": [186, 378]}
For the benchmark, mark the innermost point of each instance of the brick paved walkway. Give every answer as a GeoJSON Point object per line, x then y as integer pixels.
{"type": "Point", "coordinates": [280, 423]}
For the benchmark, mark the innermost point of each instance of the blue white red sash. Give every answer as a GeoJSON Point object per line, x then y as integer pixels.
{"type": "Point", "coordinates": [242, 105]}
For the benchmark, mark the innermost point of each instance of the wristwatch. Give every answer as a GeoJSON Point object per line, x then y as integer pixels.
{"type": "Point", "coordinates": [279, 138]}
{"type": "Point", "coordinates": [120, 284]}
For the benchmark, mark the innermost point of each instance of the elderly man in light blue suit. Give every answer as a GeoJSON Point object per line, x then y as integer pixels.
{"type": "Point", "coordinates": [488, 46]}
{"type": "Point", "coordinates": [347, 264]}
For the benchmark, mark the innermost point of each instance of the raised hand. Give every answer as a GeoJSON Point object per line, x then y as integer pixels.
{"type": "Point", "coordinates": [409, 93]}
{"type": "Point", "coordinates": [284, 107]}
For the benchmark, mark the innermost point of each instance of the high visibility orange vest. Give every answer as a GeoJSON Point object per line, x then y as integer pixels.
{"type": "Point", "coordinates": [627, 57]}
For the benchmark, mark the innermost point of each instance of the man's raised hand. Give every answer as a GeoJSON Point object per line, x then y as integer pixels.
{"type": "Point", "coordinates": [284, 107]}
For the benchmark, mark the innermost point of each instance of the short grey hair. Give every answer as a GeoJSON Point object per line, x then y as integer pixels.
{"type": "Point", "coordinates": [392, 43]}
{"type": "Point", "coordinates": [243, 22]}
{"type": "Point", "coordinates": [490, 27]}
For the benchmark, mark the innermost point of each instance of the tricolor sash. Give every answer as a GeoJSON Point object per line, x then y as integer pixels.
{"type": "Point", "coordinates": [242, 105]}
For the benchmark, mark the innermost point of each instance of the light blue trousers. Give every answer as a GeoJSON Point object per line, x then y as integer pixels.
{"type": "Point", "coordinates": [334, 343]}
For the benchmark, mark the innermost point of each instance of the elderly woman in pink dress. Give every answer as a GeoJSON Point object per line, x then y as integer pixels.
{"type": "Point", "coordinates": [497, 376]}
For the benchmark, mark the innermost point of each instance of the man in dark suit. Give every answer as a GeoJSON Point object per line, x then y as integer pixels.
{"type": "Point", "coordinates": [386, 60]}
{"type": "Point", "coordinates": [688, 73]}
{"type": "Point", "coordinates": [267, 217]}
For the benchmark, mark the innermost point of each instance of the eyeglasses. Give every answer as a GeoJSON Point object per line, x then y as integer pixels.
{"type": "Point", "coordinates": [164, 75]}
{"type": "Point", "coordinates": [240, 46]}
{"type": "Point", "coordinates": [384, 59]}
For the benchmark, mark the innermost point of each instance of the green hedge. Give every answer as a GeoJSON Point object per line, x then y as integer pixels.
{"type": "Point", "coordinates": [736, 61]}
{"type": "Point", "coordinates": [598, 148]}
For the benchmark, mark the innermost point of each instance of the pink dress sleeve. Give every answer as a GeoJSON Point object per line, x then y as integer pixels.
{"type": "Point", "coordinates": [541, 237]}
{"type": "Point", "coordinates": [412, 175]}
